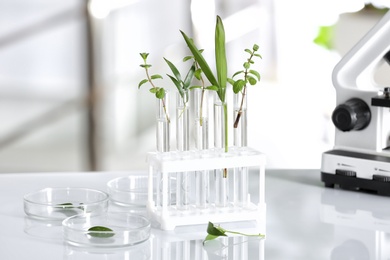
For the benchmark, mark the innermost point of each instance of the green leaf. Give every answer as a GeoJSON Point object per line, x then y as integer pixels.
{"type": "Point", "coordinates": [174, 70]}
{"type": "Point", "coordinates": [198, 74]}
{"type": "Point", "coordinates": [142, 82]}
{"type": "Point", "coordinates": [215, 231]}
{"type": "Point", "coordinates": [146, 66]}
{"type": "Point", "coordinates": [160, 94]}
{"type": "Point", "coordinates": [255, 47]}
{"type": "Point", "coordinates": [220, 58]}
{"type": "Point", "coordinates": [251, 80]}
{"type": "Point", "coordinates": [209, 237]}
{"type": "Point", "coordinates": [156, 76]}
{"type": "Point", "coordinates": [246, 65]}
{"type": "Point", "coordinates": [213, 88]}
{"type": "Point", "coordinates": [178, 85]}
{"type": "Point", "coordinates": [189, 77]}
{"type": "Point", "coordinates": [144, 55]}
{"type": "Point", "coordinates": [100, 232]}
{"type": "Point", "coordinates": [153, 90]}
{"type": "Point", "coordinates": [200, 59]}
{"type": "Point", "coordinates": [230, 81]}
{"type": "Point", "coordinates": [186, 58]}
{"type": "Point", "coordinates": [249, 51]}
{"type": "Point", "coordinates": [258, 55]}
{"type": "Point", "coordinates": [194, 87]}
{"type": "Point", "coordinates": [66, 205]}
{"type": "Point", "coordinates": [238, 72]}
{"type": "Point", "coordinates": [255, 73]}
{"type": "Point", "coordinates": [238, 85]}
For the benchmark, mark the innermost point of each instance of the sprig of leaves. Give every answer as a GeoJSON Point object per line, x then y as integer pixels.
{"type": "Point", "coordinates": [181, 85]}
{"type": "Point", "coordinates": [214, 232]}
{"type": "Point", "coordinates": [159, 92]}
{"type": "Point", "coordinates": [220, 80]}
{"type": "Point", "coordinates": [249, 76]}
{"type": "Point", "coordinates": [198, 75]}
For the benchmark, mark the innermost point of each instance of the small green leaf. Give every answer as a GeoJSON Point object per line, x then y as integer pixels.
{"type": "Point", "coordinates": [178, 85]}
{"type": "Point", "coordinates": [189, 77]}
{"type": "Point", "coordinates": [258, 55]}
{"type": "Point", "coordinates": [251, 80]}
{"type": "Point", "coordinates": [213, 230]}
{"type": "Point", "coordinates": [160, 94]}
{"type": "Point", "coordinates": [246, 65]}
{"type": "Point", "coordinates": [156, 76]}
{"type": "Point", "coordinates": [230, 81]}
{"type": "Point", "coordinates": [238, 72]}
{"type": "Point", "coordinates": [238, 85]}
{"type": "Point", "coordinates": [209, 237]}
{"type": "Point", "coordinates": [187, 58]}
{"type": "Point", "coordinates": [66, 205]}
{"type": "Point", "coordinates": [255, 73]}
{"type": "Point", "coordinates": [213, 88]}
{"type": "Point", "coordinates": [194, 87]}
{"type": "Point", "coordinates": [153, 90]}
{"type": "Point", "coordinates": [142, 82]}
{"type": "Point", "coordinates": [100, 232]}
{"type": "Point", "coordinates": [144, 55]}
{"type": "Point", "coordinates": [198, 74]}
{"type": "Point", "coordinates": [174, 70]}
{"type": "Point", "coordinates": [255, 47]}
{"type": "Point", "coordinates": [249, 51]}
{"type": "Point", "coordinates": [146, 66]}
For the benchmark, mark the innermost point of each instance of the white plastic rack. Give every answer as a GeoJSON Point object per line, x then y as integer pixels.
{"type": "Point", "coordinates": [166, 166]}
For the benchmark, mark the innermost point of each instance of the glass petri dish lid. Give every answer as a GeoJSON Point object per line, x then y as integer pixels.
{"type": "Point", "coordinates": [109, 230]}
{"type": "Point", "coordinates": [61, 203]}
{"type": "Point", "coordinates": [131, 191]}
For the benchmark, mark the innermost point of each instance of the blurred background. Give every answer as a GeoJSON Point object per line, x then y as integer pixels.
{"type": "Point", "coordinates": [69, 74]}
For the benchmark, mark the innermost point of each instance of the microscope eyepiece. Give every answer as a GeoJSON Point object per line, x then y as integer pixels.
{"type": "Point", "coordinates": [354, 114]}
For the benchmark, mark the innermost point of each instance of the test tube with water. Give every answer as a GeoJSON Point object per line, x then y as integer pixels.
{"type": "Point", "coordinates": [201, 143]}
{"type": "Point", "coordinates": [162, 146]}
{"type": "Point", "coordinates": [221, 178]}
{"type": "Point", "coordinates": [182, 140]}
{"type": "Point", "coordinates": [240, 184]}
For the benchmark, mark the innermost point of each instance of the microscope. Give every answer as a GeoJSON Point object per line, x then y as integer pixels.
{"type": "Point", "coordinates": [360, 159]}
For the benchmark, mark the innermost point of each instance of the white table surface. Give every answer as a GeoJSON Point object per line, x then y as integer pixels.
{"type": "Point", "coordinates": [304, 220]}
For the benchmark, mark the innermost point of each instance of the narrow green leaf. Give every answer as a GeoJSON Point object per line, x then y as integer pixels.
{"type": "Point", "coordinates": [146, 66]}
{"type": "Point", "coordinates": [194, 87]}
{"type": "Point", "coordinates": [156, 76]}
{"type": "Point", "coordinates": [249, 51]}
{"type": "Point", "coordinates": [220, 58]}
{"type": "Point", "coordinates": [189, 77]}
{"type": "Point", "coordinates": [213, 88]}
{"type": "Point", "coordinates": [200, 59]}
{"type": "Point", "coordinates": [100, 232]}
{"type": "Point", "coordinates": [186, 58]}
{"type": "Point", "coordinates": [174, 70]}
{"type": "Point", "coordinates": [238, 72]}
{"type": "Point", "coordinates": [209, 237]}
{"type": "Point", "coordinates": [255, 73]}
{"type": "Point", "coordinates": [142, 82]}
{"type": "Point", "coordinates": [258, 55]}
{"type": "Point", "coordinates": [178, 85]}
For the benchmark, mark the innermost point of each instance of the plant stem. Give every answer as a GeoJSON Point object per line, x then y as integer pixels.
{"type": "Point", "coordinates": [240, 110]}
{"type": "Point", "coordinates": [163, 99]}
{"type": "Point", "coordinates": [243, 234]}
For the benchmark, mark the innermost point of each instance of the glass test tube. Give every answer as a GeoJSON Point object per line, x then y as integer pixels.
{"type": "Point", "coordinates": [182, 139]}
{"type": "Point", "coordinates": [201, 143]}
{"type": "Point", "coordinates": [221, 181]}
{"type": "Point", "coordinates": [240, 186]}
{"type": "Point", "coordinates": [162, 146]}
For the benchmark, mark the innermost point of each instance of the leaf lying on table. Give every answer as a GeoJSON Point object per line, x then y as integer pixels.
{"type": "Point", "coordinates": [101, 232]}
{"type": "Point", "coordinates": [214, 231]}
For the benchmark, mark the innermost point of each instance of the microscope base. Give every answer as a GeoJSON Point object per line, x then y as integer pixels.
{"type": "Point", "coordinates": [356, 184]}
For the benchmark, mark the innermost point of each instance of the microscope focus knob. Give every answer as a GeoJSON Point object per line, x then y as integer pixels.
{"type": "Point", "coordinates": [354, 114]}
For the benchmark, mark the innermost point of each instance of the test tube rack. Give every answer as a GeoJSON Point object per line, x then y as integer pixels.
{"type": "Point", "coordinates": [164, 165]}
